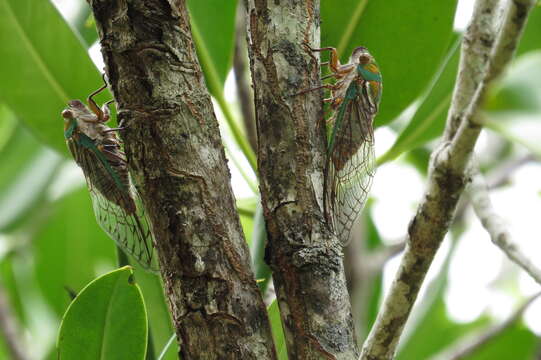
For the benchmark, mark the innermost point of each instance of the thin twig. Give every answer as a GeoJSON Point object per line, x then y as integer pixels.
{"type": "Point", "coordinates": [470, 344]}
{"type": "Point", "coordinates": [447, 167]}
{"type": "Point", "coordinates": [495, 225]}
{"type": "Point", "coordinates": [9, 329]}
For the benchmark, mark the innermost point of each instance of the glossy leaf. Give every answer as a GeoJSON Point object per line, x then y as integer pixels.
{"type": "Point", "coordinates": [107, 320]}
{"type": "Point", "coordinates": [407, 38]}
{"type": "Point", "coordinates": [428, 121]}
{"type": "Point", "coordinates": [53, 66]}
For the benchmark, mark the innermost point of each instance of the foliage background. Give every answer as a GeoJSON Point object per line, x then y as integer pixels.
{"type": "Point", "coordinates": [49, 240]}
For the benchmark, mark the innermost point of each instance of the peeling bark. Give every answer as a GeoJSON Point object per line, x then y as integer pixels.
{"type": "Point", "coordinates": [175, 154]}
{"type": "Point", "coordinates": [306, 258]}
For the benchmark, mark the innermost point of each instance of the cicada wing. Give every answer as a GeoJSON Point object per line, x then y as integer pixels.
{"type": "Point", "coordinates": [118, 209]}
{"type": "Point", "coordinates": [350, 166]}
{"type": "Point", "coordinates": [130, 231]}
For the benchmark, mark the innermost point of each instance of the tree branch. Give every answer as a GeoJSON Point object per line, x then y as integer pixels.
{"type": "Point", "coordinates": [447, 179]}
{"type": "Point", "coordinates": [495, 226]}
{"type": "Point", "coordinates": [471, 344]}
{"type": "Point", "coordinates": [306, 258]}
{"type": "Point", "coordinates": [177, 160]}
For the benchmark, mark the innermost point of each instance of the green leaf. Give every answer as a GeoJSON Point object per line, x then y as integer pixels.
{"type": "Point", "coordinates": [407, 38]}
{"type": "Point", "coordinates": [107, 320]}
{"type": "Point", "coordinates": [530, 38]}
{"type": "Point", "coordinates": [214, 20]}
{"type": "Point", "coordinates": [43, 66]}
{"type": "Point", "coordinates": [429, 119]}
{"type": "Point", "coordinates": [8, 124]}
{"type": "Point", "coordinates": [277, 330]}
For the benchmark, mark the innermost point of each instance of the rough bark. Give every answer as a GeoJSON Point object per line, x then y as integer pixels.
{"type": "Point", "coordinates": [305, 257]}
{"type": "Point", "coordinates": [175, 154]}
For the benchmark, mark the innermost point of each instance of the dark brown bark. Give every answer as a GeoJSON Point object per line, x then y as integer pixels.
{"type": "Point", "coordinates": [176, 156]}
{"type": "Point", "coordinates": [305, 257]}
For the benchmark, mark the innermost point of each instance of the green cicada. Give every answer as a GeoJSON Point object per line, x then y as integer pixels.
{"type": "Point", "coordinates": [350, 165]}
{"type": "Point", "coordinates": [117, 205]}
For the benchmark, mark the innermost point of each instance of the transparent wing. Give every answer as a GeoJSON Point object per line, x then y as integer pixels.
{"type": "Point", "coordinates": [130, 231]}
{"type": "Point", "coordinates": [350, 165]}
{"type": "Point", "coordinates": [118, 210]}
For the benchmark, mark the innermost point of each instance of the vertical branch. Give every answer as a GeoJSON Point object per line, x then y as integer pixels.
{"type": "Point", "coordinates": [448, 164]}
{"type": "Point", "coordinates": [495, 225]}
{"type": "Point", "coordinates": [305, 257]}
{"type": "Point", "coordinates": [176, 157]}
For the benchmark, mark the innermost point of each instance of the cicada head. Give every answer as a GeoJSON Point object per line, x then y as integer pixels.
{"type": "Point", "coordinates": [70, 114]}
{"type": "Point", "coordinates": [361, 56]}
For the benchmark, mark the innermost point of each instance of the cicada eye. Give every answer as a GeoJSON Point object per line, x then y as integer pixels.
{"type": "Point", "coordinates": [364, 59]}
{"type": "Point", "coordinates": [67, 114]}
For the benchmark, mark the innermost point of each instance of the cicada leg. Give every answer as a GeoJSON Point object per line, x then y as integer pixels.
{"type": "Point", "coordinates": [102, 113]}
{"type": "Point", "coordinates": [334, 62]}
{"type": "Point", "coordinates": [325, 86]}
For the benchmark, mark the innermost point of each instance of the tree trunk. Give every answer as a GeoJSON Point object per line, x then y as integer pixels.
{"type": "Point", "coordinates": [306, 258]}
{"type": "Point", "coordinates": [175, 154]}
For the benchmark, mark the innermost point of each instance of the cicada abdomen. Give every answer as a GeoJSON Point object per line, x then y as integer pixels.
{"type": "Point", "coordinates": [117, 205]}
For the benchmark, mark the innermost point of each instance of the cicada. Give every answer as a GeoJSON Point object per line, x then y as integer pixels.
{"type": "Point", "coordinates": [350, 164]}
{"type": "Point", "coordinates": [98, 151]}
